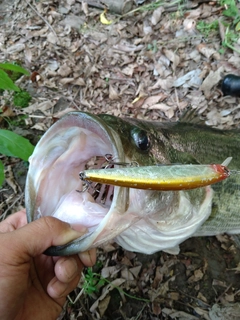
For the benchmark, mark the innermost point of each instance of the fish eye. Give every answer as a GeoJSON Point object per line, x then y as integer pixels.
{"type": "Point", "coordinates": [141, 139]}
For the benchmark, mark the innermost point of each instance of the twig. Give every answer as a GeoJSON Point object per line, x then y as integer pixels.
{"type": "Point", "coordinates": [225, 291]}
{"type": "Point", "coordinates": [3, 216]}
{"type": "Point", "coordinates": [152, 6]}
{"type": "Point", "coordinates": [93, 4]}
{"type": "Point", "coordinates": [47, 23]}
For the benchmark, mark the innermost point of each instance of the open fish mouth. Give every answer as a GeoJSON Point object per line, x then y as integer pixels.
{"type": "Point", "coordinates": [53, 186]}
{"type": "Point", "coordinates": [140, 220]}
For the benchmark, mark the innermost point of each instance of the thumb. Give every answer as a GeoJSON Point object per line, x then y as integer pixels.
{"type": "Point", "coordinates": [35, 237]}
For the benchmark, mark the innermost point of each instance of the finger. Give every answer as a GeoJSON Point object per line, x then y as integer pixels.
{"type": "Point", "coordinates": [59, 290]}
{"type": "Point", "coordinates": [34, 238]}
{"type": "Point", "coordinates": [88, 258]}
{"type": "Point", "coordinates": [14, 221]}
{"type": "Point", "coordinates": [67, 268]}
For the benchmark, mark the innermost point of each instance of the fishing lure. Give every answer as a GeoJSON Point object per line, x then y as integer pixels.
{"type": "Point", "coordinates": [163, 177]}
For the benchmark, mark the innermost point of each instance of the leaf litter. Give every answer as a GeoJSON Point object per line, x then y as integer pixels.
{"type": "Point", "coordinates": [148, 64]}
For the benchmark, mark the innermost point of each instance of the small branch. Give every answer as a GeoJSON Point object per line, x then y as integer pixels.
{"type": "Point", "coordinates": [47, 23]}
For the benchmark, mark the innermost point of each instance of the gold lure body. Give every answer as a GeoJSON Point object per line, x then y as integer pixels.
{"type": "Point", "coordinates": [159, 177]}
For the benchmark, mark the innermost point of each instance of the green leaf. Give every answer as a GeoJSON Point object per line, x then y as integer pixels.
{"type": "Point", "coordinates": [1, 173]}
{"type": "Point", "coordinates": [21, 99]}
{"type": "Point", "coordinates": [231, 8]}
{"type": "Point", "coordinates": [6, 83]}
{"type": "Point", "coordinates": [237, 28]}
{"type": "Point", "coordinates": [13, 145]}
{"type": "Point", "coordinates": [14, 67]}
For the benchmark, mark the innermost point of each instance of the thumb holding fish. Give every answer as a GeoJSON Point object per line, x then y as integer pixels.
{"type": "Point", "coordinates": [30, 280]}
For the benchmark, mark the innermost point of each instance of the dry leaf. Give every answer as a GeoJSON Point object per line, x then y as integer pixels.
{"type": "Point", "coordinates": [128, 71]}
{"type": "Point", "coordinates": [7, 111]}
{"type": "Point", "coordinates": [113, 95]}
{"type": "Point", "coordinates": [60, 114]}
{"type": "Point", "coordinates": [52, 38]}
{"type": "Point", "coordinates": [53, 65]}
{"type": "Point", "coordinates": [126, 274]}
{"type": "Point", "coordinates": [189, 25]}
{"type": "Point", "coordinates": [156, 308]}
{"type": "Point", "coordinates": [228, 312]}
{"type": "Point", "coordinates": [64, 81]}
{"type": "Point", "coordinates": [212, 79]}
{"type": "Point", "coordinates": [79, 82]}
{"type": "Point", "coordinates": [109, 287]}
{"type": "Point", "coordinates": [103, 305]}
{"type": "Point", "coordinates": [206, 50]}
{"type": "Point", "coordinates": [174, 314]}
{"type": "Point", "coordinates": [18, 47]}
{"type": "Point", "coordinates": [191, 79]}
{"type": "Point", "coordinates": [135, 271]}
{"type": "Point", "coordinates": [126, 47]}
{"type": "Point", "coordinates": [40, 126]}
{"type": "Point", "coordinates": [73, 21]}
{"type": "Point", "coordinates": [161, 290]}
{"type": "Point", "coordinates": [85, 7]}
{"type": "Point", "coordinates": [164, 84]}
{"type": "Point", "coordinates": [194, 13]}
{"type": "Point", "coordinates": [43, 106]}
{"type": "Point", "coordinates": [28, 56]}
{"type": "Point", "coordinates": [156, 16]}
{"type": "Point", "coordinates": [150, 101]}
{"type": "Point", "coordinates": [103, 18]}
{"type": "Point", "coordinates": [147, 29]}
{"type": "Point", "coordinates": [64, 70]}
{"type": "Point", "coordinates": [198, 275]}
{"type": "Point", "coordinates": [173, 57]}
{"type": "Point", "coordinates": [109, 271]}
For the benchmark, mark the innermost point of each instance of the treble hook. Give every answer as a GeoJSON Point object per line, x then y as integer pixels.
{"type": "Point", "coordinates": [109, 159]}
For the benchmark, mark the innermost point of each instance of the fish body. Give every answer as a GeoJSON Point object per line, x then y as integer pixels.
{"type": "Point", "coordinates": [160, 177]}
{"type": "Point", "coordinates": [139, 220]}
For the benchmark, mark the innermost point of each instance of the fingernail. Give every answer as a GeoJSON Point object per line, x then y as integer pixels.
{"type": "Point", "coordinates": [71, 235]}
{"type": "Point", "coordinates": [88, 258]}
{"type": "Point", "coordinates": [79, 228]}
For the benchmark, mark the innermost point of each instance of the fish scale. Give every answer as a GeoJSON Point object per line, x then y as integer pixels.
{"type": "Point", "coordinates": [180, 142]}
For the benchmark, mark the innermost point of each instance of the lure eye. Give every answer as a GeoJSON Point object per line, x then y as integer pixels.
{"type": "Point", "coordinates": [141, 139]}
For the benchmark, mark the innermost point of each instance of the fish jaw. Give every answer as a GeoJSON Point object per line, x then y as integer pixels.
{"type": "Point", "coordinates": [168, 218]}
{"type": "Point", "coordinates": [53, 183]}
{"type": "Point", "coordinates": [145, 221]}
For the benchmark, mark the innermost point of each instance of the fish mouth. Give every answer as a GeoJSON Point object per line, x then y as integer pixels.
{"type": "Point", "coordinates": [76, 142]}
{"type": "Point", "coordinates": [143, 221]}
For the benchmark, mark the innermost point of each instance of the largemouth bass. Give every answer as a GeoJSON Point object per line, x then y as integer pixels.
{"type": "Point", "coordinates": [144, 221]}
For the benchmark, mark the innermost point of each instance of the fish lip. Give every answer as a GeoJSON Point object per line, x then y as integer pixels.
{"type": "Point", "coordinates": [120, 205]}
{"type": "Point", "coordinates": [97, 126]}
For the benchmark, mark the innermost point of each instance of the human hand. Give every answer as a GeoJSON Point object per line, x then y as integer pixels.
{"type": "Point", "coordinates": [33, 285]}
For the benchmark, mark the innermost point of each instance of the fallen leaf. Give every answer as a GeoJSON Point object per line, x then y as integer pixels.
{"type": "Point", "coordinates": [206, 50]}
{"type": "Point", "coordinates": [189, 25]}
{"type": "Point", "coordinates": [211, 80]}
{"type": "Point", "coordinates": [113, 95]}
{"type": "Point", "coordinates": [64, 70]}
{"type": "Point", "coordinates": [103, 305]}
{"type": "Point", "coordinates": [156, 16]}
{"type": "Point", "coordinates": [115, 283]}
{"type": "Point", "coordinates": [173, 57]}
{"type": "Point", "coordinates": [103, 19]}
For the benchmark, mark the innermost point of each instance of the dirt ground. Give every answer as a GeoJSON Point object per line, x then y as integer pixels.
{"type": "Point", "coordinates": [150, 64]}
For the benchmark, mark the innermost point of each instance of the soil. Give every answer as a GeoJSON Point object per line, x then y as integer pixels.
{"type": "Point", "coordinates": [132, 66]}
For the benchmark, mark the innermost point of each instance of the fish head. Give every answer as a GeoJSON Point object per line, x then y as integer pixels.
{"type": "Point", "coordinates": [140, 220]}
